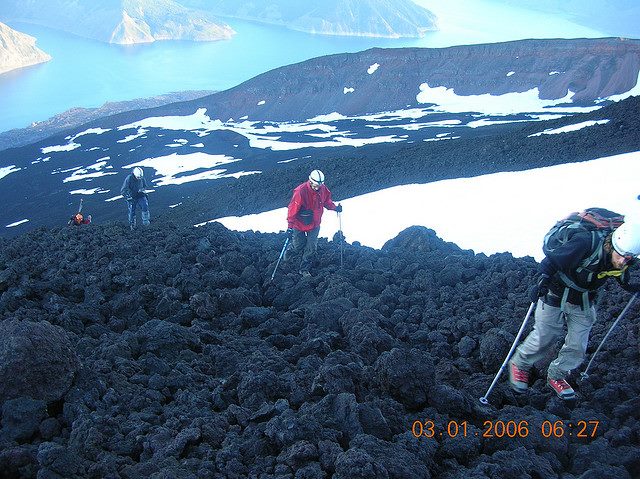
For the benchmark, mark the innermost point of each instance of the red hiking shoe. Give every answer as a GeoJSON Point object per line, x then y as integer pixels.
{"type": "Point", "coordinates": [562, 388]}
{"type": "Point", "coordinates": [518, 378]}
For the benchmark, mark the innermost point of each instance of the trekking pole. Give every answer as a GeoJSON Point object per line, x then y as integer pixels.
{"type": "Point", "coordinates": [484, 399]}
{"type": "Point", "coordinates": [585, 374]}
{"type": "Point", "coordinates": [341, 236]}
{"type": "Point", "coordinates": [284, 248]}
{"type": "Point", "coordinates": [80, 207]}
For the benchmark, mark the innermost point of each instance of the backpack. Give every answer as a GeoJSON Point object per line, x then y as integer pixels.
{"type": "Point", "coordinates": [600, 222]}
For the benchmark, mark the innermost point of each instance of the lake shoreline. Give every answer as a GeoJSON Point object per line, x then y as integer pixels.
{"type": "Point", "coordinates": [74, 117]}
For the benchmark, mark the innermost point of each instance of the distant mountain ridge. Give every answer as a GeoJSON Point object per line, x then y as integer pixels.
{"type": "Point", "coordinates": [18, 50]}
{"type": "Point", "coordinates": [144, 21]}
{"type": "Point", "coordinates": [389, 79]}
{"type": "Point", "coordinates": [376, 18]}
{"type": "Point", "coordinates": [118, 21]}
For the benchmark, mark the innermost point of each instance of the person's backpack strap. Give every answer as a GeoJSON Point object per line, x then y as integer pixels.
{"type": "Point", "coordinates": [597, 242]}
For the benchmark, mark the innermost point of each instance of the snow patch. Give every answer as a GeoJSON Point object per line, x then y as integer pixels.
{"type": "Point", "coordinates": [7, 170]}
{"type": "Point", "coordinates": [11, 225]}
{"type": "Point", "coordinates": [568, 128]}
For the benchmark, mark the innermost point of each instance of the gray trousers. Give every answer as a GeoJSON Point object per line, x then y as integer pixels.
{"type": "Point", "coordinates": [305, 242]}
{"type": "Point", "coordinates": [548, 328]}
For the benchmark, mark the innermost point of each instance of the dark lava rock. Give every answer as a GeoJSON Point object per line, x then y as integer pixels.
{"type": "Point", "coordinates": [37, 360]}
{"type": "Point", "coordinates": [21, 417]}
{"type": "Point", "coordinates": [195, 364]}
{"type": "Point", "coordinates": [407, 375]}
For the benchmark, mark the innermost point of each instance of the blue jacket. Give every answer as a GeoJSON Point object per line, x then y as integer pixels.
{"type": "Point", "coordinates": [133, 188]}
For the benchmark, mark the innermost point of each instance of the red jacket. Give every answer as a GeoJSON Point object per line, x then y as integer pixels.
{"type": "Point", "coordinates": [306, 198]}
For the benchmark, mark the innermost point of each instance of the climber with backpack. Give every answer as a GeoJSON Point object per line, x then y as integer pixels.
{"type": "Point", "coordinates": [304, 215]}
{"type": "Point", "coordinates": [581, 253]}
{"type": "Point", "coordinates": [78, 218]}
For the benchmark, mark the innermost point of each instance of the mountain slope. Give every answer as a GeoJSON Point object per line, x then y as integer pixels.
{"type": "Point", "coordinates": [225, 154]}
{"type": "Point", "coordinates": [376, 80]}
{"type": "Point", "coordinates": [18, 50]}
{"type": "Point", "coordinates": [119, 21]}
{"type": "Point", "coordinates": [376, 18]}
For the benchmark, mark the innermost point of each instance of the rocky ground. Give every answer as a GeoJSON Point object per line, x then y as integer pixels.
{"type": "Point", "coordinates": [168, 353]}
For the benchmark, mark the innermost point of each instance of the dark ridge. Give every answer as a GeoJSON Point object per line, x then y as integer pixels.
{"type": "Point", "coordinates": [188, 362]}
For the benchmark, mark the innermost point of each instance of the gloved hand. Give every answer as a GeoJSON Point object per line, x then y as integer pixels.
{"type": "Point", "coordinates": [540, 289]}
{"type": "Point", "coordinates": [128, 198]}
{"type": "Point", "coordinates": [339, 209]}
{"type": "Point", "coordinates": [631, 288]}
{"type": "Point", "coordinates": [626, 285]}
{"type": "Point", "coordinates": [290, 233]}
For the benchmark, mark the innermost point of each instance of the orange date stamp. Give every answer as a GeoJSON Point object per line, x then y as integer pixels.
{"type": "Point", "coordinates": [583, 429]}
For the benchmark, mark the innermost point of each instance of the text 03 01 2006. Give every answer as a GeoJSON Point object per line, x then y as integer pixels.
{"type": "Point", "coordinates": [550, 429]}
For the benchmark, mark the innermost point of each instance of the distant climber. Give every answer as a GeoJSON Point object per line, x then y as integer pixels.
{"type": "Point", "coordinates": [565, 292]}
{"type": "Point", "coordinates": [134, 190]}
{"type": "Point", "coordinates": [304, 217]}
{"type": "Point", "coordinates": [78, 218]}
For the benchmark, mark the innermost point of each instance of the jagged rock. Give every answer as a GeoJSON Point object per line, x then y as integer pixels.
{"type": "Point", "coordinates": [236, 383]}
{"type": "Point", "coordinates": [407, 375]}
{"type": "Point", "coordinates": [165, 339]}
{"type": "Point", "coordinates": [357, 464]}
{"type": "Point", "coordinates": [21, 417]}
{"type": "Point", "coordinates": [36, 360]}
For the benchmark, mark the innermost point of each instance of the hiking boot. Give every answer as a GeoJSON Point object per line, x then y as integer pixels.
{"type": "Point", "coordinates": [562, 388]}
{"type": "Point", "coordinates": [518, 378]}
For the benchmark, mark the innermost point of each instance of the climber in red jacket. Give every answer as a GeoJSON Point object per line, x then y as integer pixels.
{"type": "Point", "coordinates": [304, 217]}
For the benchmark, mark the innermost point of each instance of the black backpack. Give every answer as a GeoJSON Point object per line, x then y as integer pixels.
{"type": "Point", "coordinates": [600, 223]}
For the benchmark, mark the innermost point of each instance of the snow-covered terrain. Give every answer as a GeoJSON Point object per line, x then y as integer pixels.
{"type": "Point", "coordinates": [488, 214]}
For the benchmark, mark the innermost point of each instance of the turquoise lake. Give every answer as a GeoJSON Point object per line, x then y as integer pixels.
{"type": "Point", "coordinates": [88, 73]}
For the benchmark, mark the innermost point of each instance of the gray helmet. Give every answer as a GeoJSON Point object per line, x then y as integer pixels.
{"type": "Point", "coordinates": [626, 239]}
{"type": "Point", "coordinates": [317, 176]}
{"type": "Point", "coordinates": [137, 172]}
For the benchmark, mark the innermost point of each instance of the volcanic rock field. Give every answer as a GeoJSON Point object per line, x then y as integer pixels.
{"type": "Point", "coordinates": [168, 352]}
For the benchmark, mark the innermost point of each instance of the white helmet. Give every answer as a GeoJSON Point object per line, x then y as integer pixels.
{"type": "Point", "coordinates": [626, 239]}
{"type": "Point", "coordinates": [137, 172]}
{"type": "Point", "coordinates": [317, 176]}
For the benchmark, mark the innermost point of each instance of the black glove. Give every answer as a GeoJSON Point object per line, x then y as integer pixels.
{"type": "Point", "coordinates": [631, 288]}
{"type": "Point", "coordinates": [290, 233]}
{"type": "Point", "coordinates": [540, 289]}
{"type": "Point", "coordinates": [626, 285]}
{"type": "Point", "coordinates": [339, 209]}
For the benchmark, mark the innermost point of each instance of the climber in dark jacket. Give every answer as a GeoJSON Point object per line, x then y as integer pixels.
{"type": "Point", "coordinates": [565, 293]}
{"type": "Point", "coordinates": [134, 191]}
